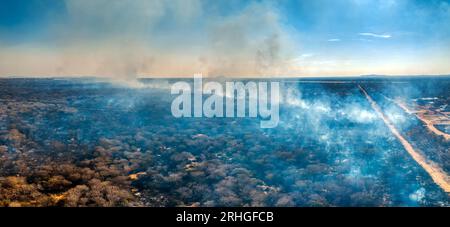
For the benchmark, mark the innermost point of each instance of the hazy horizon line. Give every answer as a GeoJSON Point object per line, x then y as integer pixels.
{"type": "Point", "coordinates": [212, 77]}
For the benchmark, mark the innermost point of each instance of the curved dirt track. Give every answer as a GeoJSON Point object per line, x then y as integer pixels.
{"type": "Point", "coordinates": [427, 122]}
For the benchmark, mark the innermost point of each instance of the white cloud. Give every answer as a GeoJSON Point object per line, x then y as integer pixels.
{"type": "Point", "coordinates": [384, 36]}
{"type": "Point", "coordinates": [334, 40]}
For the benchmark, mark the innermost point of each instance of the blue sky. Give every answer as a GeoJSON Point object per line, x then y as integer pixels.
{"type": "Point", "coordinates": [224, 38]}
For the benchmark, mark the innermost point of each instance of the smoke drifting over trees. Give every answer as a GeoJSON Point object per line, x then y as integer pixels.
{"type": "Point", "coordinates": [88, 143]}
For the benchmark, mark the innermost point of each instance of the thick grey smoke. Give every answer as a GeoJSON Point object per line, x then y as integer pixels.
{"type": "Point", "coordinates": [125, 39]}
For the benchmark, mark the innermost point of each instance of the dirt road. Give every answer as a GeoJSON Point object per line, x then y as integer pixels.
{"type": "Point", "coordinates": [438, 175]}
